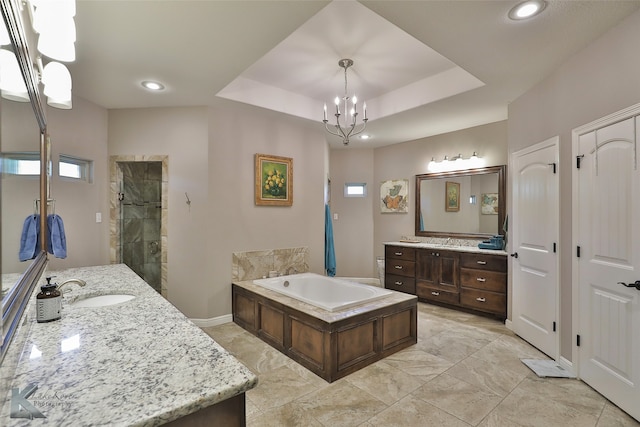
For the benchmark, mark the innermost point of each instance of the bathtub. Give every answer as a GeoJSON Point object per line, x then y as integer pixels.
{"type": "Point", "coordinates": [328, 293]}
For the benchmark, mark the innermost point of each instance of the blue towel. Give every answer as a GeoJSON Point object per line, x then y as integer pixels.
{"type": "Point", "coordinates": [29, 240]}
{"type": "Point", "coordinates": [329, 252]}
{"type": "Point", "coordinates": [57, 240]}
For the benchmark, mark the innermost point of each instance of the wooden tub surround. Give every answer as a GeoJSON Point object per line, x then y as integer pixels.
{"type": "Point", "coordinates": [330, 344]}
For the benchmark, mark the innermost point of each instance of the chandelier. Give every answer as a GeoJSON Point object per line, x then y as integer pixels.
{"type": "Point", "coordinates": [347, 127]}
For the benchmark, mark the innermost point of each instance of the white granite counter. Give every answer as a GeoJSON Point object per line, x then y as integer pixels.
{"type": "Point", "coordinates": [448, 247]}
{"type": "Point", "coordinates": [138, 363]}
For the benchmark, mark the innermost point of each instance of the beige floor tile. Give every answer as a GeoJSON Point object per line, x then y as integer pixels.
{"type": "Point", "coordinates": [497, 378]}
{"type": "Point", "coordinates": [453, 345]}
{"type": "Point", "coordinates": [467, 402]}
{"type": "Point", "coordinates": [612, 416]}
{"type": "Point", "coordinates": [341, 404]}
{"type": "Point", "coordinates": [413, 412]}
{"type": "Point", "coordinates": [465, 370]}
{"type": "Point", "coordinates": [278, 387]}
{"type": "Point", "coordinates": [288, 415]}
{"type": "Point", "coordinates": [544, 405]}
{"type": "Point", "coordinates": [384, 382]}
{"type": "Point", "coordinates": [418, 363]}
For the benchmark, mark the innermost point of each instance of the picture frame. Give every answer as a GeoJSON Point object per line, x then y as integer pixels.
{"type": "Point", "coordinates": [273, 180]}
{"type": "Point", "coordinates": [452, 196]}
{"type": "Point", "coordinates": [394, 196]}
{"type": "Point", "coordinates": [489, 203]}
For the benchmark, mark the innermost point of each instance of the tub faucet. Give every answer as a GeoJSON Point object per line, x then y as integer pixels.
{"type": "Point", "coordinates": [80, 282]}
{"type": "Point", "coordinates": [295, 270]}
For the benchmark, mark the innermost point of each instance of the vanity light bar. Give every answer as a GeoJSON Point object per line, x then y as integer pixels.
{"type": "Point", "coordinates": [455, 162]}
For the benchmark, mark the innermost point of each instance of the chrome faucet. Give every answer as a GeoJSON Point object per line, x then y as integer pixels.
{"type": "Point", "coordinates": [80, 282]}
{"type": "Point", "coordinates": [295, 270]}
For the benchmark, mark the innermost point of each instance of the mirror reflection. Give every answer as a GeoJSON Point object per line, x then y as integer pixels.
{"type": "Point", "coordinates": [20, 139]}
{"type": "Point", "coordinates": [467, 203]}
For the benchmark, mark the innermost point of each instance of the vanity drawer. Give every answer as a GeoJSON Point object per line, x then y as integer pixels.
{"type": "Point", "coordinates": [433, 294]}
{"type": "Point", "coordinates": [484, 262]}
{"type": "Point", "coordinates": [400, 267]}
{"type": "Point", "coordinates": [483, 279]}
{"type": "Point", "coordinates": [400, 252]}
{"type": "Point", "coordinates": [485, 301]}
{"type": "Point", "coordinates": [400, 283]}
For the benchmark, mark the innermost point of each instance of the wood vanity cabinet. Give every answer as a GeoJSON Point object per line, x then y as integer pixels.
{"type": "Point", "coordinates": [437, 276]}
{"type": "Point", "coordinates": [474, 281]}
{"type": "Point", "coordinates": [483, 283]}
{"type": "Point", "coordinates": [400, 269]}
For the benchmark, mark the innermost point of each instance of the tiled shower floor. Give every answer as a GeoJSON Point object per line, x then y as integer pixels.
{"type": "Point", "coordinates": [464, 371]}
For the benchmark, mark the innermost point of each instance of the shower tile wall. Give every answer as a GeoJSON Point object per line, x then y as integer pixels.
{"type": "Point", "coordinates": [141, 219]}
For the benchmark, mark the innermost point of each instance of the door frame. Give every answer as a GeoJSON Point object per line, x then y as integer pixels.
{"type": "Point", "coordinates": [618, 116]}
{"type": "Point", "coordinates": [555, 143]}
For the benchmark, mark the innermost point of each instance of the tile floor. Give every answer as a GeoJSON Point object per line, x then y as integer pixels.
{"type": "Point", "coordinates": [464, 371]}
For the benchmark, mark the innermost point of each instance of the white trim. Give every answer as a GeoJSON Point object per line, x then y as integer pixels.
{"type": "Point", "coordinates": [618, 116]}
{"type": "Point", "coordinates": [508, 324]}
{"type": "Point", "coordinates": [213, 321]}
{"type": "Point", "coordinates": [566, 364]}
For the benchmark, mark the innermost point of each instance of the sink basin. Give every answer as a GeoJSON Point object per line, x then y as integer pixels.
{"type": "Point", "coordinates": [102, 300]}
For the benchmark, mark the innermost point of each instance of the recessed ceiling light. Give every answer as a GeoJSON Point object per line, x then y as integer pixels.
{"type": "Point", "coordinates": [151, 85]}
{"type": "Point", "coordinates": [364, 137]}
{"type": "Point", "coordinates": [527, 9]}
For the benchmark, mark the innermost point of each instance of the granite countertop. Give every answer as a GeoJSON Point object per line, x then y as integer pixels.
{"type": "Point", "coordinates": [138, 363]}
{"type": "Point", "coordinates": [448, 247]}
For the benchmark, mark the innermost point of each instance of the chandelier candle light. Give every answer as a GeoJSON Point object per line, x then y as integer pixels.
{"type": "Point", "coordinates": [344, 129]}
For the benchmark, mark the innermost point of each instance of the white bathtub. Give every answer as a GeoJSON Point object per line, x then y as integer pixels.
{"type": "Point", "coordinates": [328, 293]}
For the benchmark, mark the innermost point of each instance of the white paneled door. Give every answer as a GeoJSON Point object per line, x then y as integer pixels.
{"type": "Point", "coordinates": [608, 251]}
{"type": "Point", "coordinates": [535, 213]}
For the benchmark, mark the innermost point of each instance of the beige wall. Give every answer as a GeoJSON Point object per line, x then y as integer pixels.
{"type": "Point", "coordinates": [81, 132]}
{"type": "Point", "coordinates": [352, 231]}
{"type": "Point", "coordinates": [406, 160]}
{"type": "Point", "coordinates": [361, 229]}
{"type": "Point", "coordinates": [211, 158]}
{"type": "Point", "coordinates": [600, 80]}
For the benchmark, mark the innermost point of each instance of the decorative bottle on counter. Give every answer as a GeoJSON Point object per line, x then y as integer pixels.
{"type": "Point", "coordinates": [48, 302]}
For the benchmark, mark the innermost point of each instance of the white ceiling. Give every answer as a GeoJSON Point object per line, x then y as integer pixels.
{"type": "Point", "coordinates": [423, 67]}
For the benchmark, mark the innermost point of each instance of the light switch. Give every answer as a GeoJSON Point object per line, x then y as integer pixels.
{"type": "Point", "coordinates": [335, 216]}
{"type": "Point", "coordinates": [98, 217]}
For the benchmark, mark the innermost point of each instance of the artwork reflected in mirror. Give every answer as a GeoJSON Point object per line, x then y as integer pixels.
{"type": "Point", "coordinates": [467, 203]}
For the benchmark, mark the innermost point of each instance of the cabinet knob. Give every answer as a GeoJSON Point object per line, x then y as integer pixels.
{"type": "Point", "coordinates": [480, 299]}
{"type": "Point", "coordinates": [397, 267]}
{"type": "Point", "coordinates": [437, 253]}
{"type": "Point", "coordinates": [482, 262]}
{"type": "Point", "coordinates": [481, 279]}
{"type": "Point", "coordinates": [398, 283]}
{"type": "Point", "coordinates": [435, 293]}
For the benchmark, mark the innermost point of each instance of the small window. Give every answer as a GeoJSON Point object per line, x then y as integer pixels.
{"type": "Point", "coordinates": [23, 163]}
{"type": "Point", "coordinates": [75, 168]}
{"type": "Point", "coordinates": [355, 189]}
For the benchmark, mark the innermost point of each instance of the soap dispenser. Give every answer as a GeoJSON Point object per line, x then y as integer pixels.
{"type": "Point", "coordinates": [48, 302]}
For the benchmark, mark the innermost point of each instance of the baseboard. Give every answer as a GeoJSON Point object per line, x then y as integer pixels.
{"type": "Point", "coordinates": [509, 324]}
{"type": "Point", "coordinates": [214, 321]}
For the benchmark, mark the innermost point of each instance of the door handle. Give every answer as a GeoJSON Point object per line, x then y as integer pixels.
{"type": "Point", "coordinates": [631, 285]}
{"type": "Point", "coordinates": [515, 254]}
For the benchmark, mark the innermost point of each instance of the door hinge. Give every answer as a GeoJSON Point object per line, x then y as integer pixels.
{"type": "Point", "coordinates": [578, 340]}
{"type": "Point", "coordinates": [578, 160]}
{"type": "Point", "coordinates": [578, 251]}
{"type": "Point", "coordinates": [554, 167]}
{"type": "Point", "coordinates": [554, 326]}
{"type": "Point", "coordinates": [555, 249]}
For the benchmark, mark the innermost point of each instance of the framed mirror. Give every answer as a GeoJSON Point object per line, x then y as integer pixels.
{"type": "Point", "coordinates": [23, 142]}
{"type": "Point", "coordinates": [464, 204]}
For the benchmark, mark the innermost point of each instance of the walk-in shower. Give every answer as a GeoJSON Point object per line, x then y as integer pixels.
{"type": "Point", "coordinates": [140, 200]}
